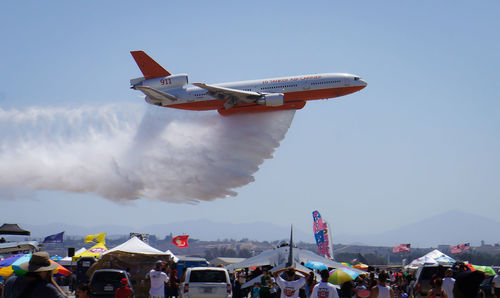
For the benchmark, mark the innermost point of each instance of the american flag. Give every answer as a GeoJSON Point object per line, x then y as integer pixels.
{"type": "Point", "coordinates": [457, 249]}
{"type": "Point", "coordinates": [401, 248]}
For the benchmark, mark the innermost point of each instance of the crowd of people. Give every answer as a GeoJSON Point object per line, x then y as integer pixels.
{"type": "Point", "coordinates": [286, 283]}
{"type": "Point", "coordinates": [458, 281]}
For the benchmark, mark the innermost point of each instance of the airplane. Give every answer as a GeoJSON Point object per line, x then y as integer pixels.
{"type": "Point", "coordinates": [286, 255]}
{"type": "Point", "coordinates": [284, 93]}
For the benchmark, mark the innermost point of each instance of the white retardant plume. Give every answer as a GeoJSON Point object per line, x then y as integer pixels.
{"type": "Point", "coordinates": [128, 152]}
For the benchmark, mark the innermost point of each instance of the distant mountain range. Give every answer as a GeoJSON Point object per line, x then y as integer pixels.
{"type": "Point", "coordinates": [449, 228]}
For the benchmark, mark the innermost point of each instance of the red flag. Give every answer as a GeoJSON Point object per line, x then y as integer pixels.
{"type": "Point", "coordinates": [401, 248]}
{"type": "Point", "coordinates": [181, 241]}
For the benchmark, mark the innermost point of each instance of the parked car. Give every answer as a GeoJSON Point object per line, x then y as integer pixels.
{"type": "Point", "coordinates": [104, 282]}
{"type": "Point", "coordinates": [185, 262]}
{"type": "Point", "coordinates": [206, 282]}
{"type": "Point", "coordinates": [423, 278]}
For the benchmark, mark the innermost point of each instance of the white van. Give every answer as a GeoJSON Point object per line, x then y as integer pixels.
{"type": "Point", "coordinates": [206, 282]}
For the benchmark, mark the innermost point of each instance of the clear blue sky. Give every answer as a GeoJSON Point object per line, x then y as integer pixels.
{"type": "Point", "coordinates": [421, 139]}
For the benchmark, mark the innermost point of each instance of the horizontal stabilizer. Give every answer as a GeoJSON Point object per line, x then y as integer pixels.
{"type": "Point", "coordinates": [149, 68]}
{"type": "Point", "coordinates": [156, 94]}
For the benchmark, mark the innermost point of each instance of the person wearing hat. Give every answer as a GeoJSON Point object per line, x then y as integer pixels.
{"type": "Point", "coordinates": [158, 280]}
{"type": "Point", "coordinates": [38, 281]}
{"type": "Point", "coordinates": [124, 290]}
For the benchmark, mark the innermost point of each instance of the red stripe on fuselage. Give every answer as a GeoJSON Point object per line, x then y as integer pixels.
{"type": "Point", "coordinates": [291, 99]}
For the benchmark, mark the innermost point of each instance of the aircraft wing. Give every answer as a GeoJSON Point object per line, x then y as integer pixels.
{"type": "Point", "coordinates": [156, 94]}
{"type": "Point", "coordinates": [272, 257]}
{"type": "Point", "coordinates": [305, 256]}
{"type": "Point", "coordinates": [278, 257]}
{"type": "Point", "coordinates": [233, 96]}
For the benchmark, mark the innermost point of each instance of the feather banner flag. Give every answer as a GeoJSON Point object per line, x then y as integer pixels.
{"type": "Point", "coordinates": [320, 229]}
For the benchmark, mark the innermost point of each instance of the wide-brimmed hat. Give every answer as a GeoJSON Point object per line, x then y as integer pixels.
{"type": "Point", "coordinates": [39, 262]}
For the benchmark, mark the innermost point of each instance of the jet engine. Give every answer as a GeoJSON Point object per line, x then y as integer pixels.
{"type": "Point", "coordinates": [271, 100]}
{"type": "Point", "coordinates": [168, 82]}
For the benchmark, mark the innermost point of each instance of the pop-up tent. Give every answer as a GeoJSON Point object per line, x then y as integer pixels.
{"type": "Point", "coordinates": [434, 257]}
{"type": "Point", "coordinates": [12, 229]}
{"type": "Point", "coordinates": [135, 246]}
{"type": "Point", "coordinates": [174, 258]}
{"type": "Point", "coordinates": [135, 256]}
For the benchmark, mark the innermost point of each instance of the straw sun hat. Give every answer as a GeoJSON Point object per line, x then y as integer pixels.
{"type": "Point", "coordinates": [39, 262]}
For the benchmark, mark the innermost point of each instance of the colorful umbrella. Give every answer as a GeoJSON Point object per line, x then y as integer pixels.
{"type": "Point", "coordinates": [315, 265]}
{"type": "Point", "coordinates": [469, 265]}
{"type": "Point", "coordinates": [485, 269]}
{"type": "Point", "coordinates": [7, 265]}
{"type": "Point", "coordinates": [340, 276]}
{"type": "Point", "coordinates": [361, 266]}
{"type": "Point", "coordinates": [55, 258]}
{"type": "Point", "coordinates": [11, 265]}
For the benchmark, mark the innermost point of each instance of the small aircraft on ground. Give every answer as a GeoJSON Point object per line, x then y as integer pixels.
{"type": "Point", "coordinates": [285, 93]}
{"type": "Point", "coordinates": [286, 255]}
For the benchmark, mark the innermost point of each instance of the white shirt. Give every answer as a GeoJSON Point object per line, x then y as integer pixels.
{"type": "Point", "coordinates": [448, 284]}
{"type": "Point", "coordinates": [384, 291]}
{"type": "Point", "coordinates": [324, 290]}
{"type": "Point", "coordinates": [290, 289]}
{"type": "Point", "coordinates": [496, 281]}
{"type": "Point", "coordinates": [158, 280]}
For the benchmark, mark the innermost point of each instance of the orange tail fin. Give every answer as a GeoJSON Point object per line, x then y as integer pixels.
{"type": "Point", "coordinates": [149, 68]}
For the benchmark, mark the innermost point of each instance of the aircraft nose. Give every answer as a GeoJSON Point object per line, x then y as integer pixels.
{"type": "Point", "coordinates": [359, 82]}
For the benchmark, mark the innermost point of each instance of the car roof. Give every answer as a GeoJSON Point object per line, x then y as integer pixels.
{"type": "Point", "coordinates": [110, 270]}
{"type": "Point", "coordinates": [207, 268]}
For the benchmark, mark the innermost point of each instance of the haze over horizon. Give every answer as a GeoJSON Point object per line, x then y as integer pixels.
{"type": "Point", "coordinates": [421, 139]}
{"type": "Point", "coordinates": [416, 233]}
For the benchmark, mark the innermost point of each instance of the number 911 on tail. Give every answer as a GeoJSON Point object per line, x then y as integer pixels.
{"type": "Point", "coordinates": [263, 95]}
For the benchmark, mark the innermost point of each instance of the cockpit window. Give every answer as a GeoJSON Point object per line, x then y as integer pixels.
{"type": "Point", "coordinates": [356, 78]}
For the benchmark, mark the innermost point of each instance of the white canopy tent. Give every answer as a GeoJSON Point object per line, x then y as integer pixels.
{"type": "Point", "coordinates": [434, 257]}
{"type": "Point", "coordinates": [135, 246]}
{"type": "Point", "coordinates": [174, 258]}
